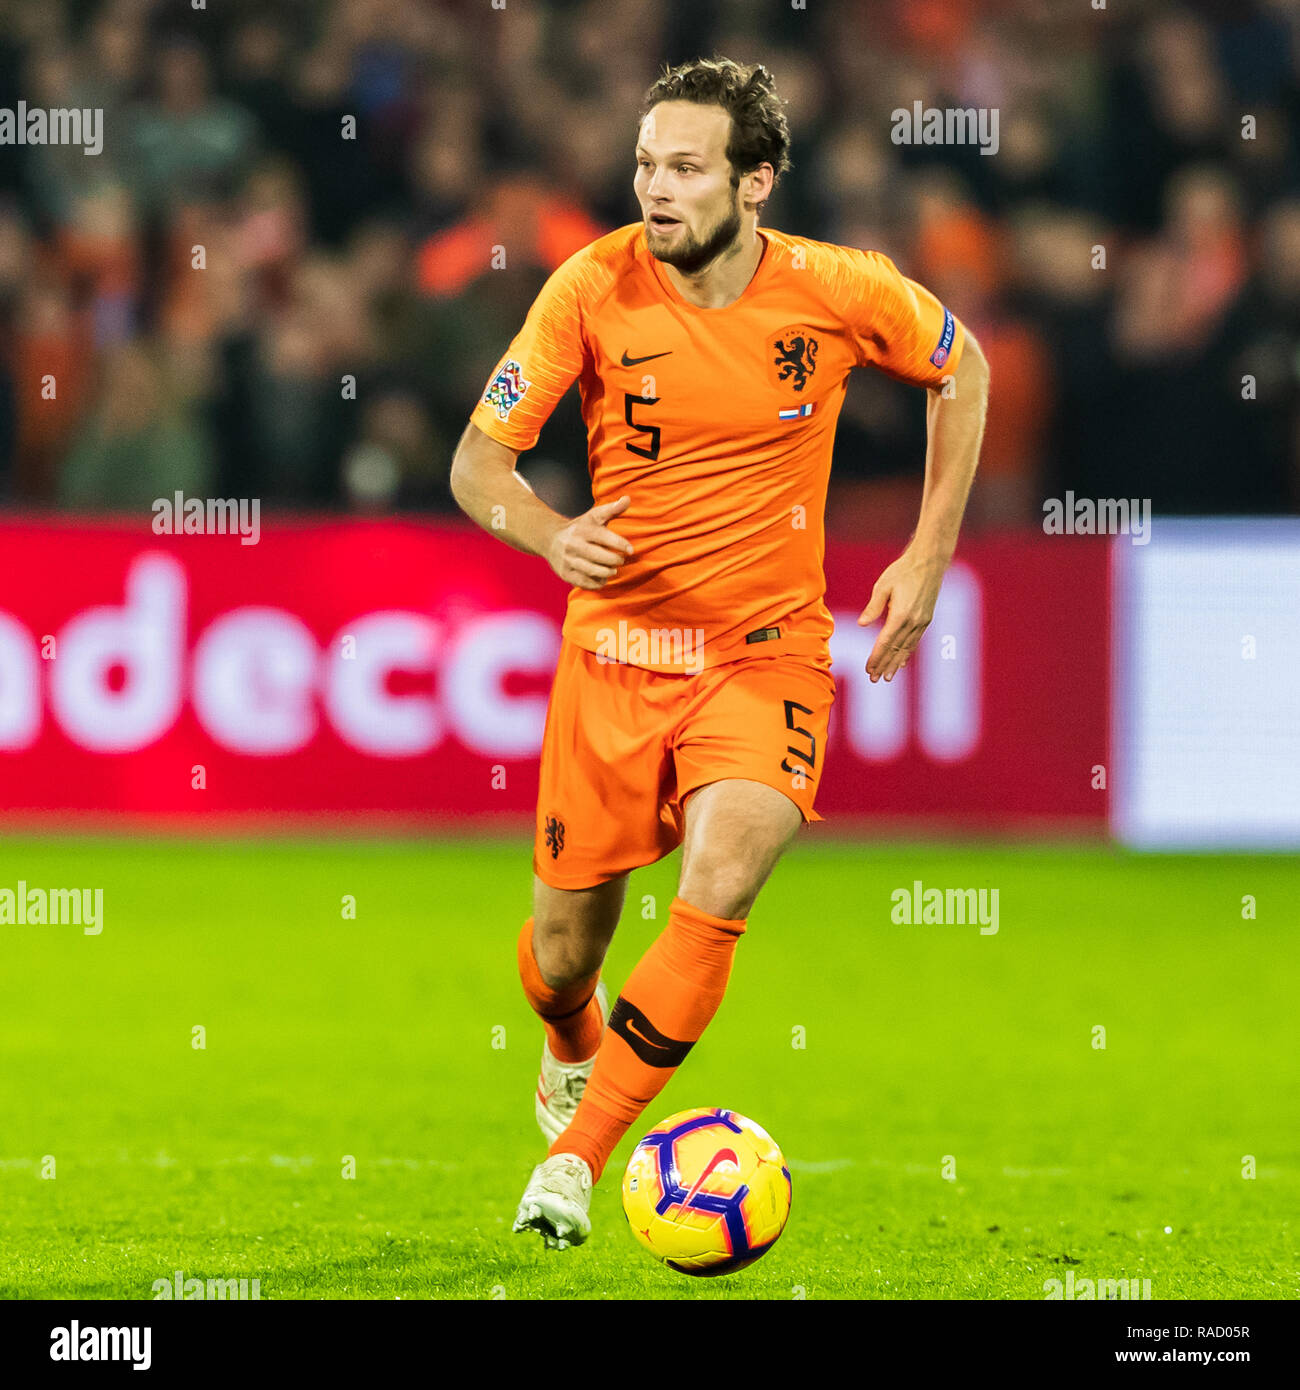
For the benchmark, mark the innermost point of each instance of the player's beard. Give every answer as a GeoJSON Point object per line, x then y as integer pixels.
{"type": "Point", "coordinates": [691, 255]}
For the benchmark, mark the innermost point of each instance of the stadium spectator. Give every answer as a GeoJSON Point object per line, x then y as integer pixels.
{"type": "Point", "coordinates": [139, 441]}
{"type": "Point", "coordinates": [379, 189]}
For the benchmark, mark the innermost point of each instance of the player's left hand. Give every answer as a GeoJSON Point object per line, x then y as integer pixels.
{"type": "Point", "coordinates": [908, 589]}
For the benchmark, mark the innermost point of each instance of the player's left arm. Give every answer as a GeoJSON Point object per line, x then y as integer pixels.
{"type": "Point", "coordinates": [907, 590]}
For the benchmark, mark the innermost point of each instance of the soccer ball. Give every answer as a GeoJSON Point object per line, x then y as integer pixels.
{"type": "Point", "coordinates": [707, 1192]}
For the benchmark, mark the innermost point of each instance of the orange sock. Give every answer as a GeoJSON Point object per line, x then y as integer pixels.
{"type": "Point", "coordinates": [664, 1009]}
{"type": "Point", "coordinates": [570, 1014]}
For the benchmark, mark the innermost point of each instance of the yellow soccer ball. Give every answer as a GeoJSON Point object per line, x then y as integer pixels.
{"type": "Point", "coordinates": [707, 1192]}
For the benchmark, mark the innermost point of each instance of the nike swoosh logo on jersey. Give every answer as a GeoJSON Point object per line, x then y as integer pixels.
{"type": "Point", "coordinates": [636, 361]}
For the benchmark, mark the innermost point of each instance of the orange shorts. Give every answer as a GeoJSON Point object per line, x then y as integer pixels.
{"type": "Point", "coordinates": [624, 748]}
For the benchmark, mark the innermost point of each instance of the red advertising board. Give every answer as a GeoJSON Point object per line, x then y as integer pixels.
{"type": "Point", "coordinates": [361, 671]}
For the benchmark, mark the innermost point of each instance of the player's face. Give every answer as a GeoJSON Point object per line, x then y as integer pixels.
{"type": "Point", "coordinates": [692, 210]}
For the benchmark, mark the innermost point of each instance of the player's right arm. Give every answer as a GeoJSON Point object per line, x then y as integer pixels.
{"type": "Point", "coordinates": [484, 481]}
{"type": "Point", "coordinates": [539, 366]}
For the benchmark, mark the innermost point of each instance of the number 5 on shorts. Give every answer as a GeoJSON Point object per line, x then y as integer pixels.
{"type": "Point", "coordinates": [810, 756]}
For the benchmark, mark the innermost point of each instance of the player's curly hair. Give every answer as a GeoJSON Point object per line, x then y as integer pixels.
{"type": "Point", "coordinates": [747, 92]}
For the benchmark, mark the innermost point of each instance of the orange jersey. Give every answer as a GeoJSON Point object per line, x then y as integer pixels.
{"type": "Point", "coordinates": [718, 425]}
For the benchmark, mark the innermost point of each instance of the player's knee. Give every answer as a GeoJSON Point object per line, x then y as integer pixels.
{"type": "Point", "coordinates": [564, 951]}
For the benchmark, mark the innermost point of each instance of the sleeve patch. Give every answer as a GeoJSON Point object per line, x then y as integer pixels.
{"type": "Point", "coordinates": [508, 388]}
{"type": "Point", "coordinates": [940, 355]}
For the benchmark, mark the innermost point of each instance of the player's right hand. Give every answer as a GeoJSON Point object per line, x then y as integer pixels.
{"type": "Point", "coordinates": [586, 552]}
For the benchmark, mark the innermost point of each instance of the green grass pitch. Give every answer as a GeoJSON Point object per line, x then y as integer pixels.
{"type": "Point", "coordinates": [401, 1039]}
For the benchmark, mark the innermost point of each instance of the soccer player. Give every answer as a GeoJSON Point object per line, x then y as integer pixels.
{"type": "Point", "coordinates": [693, 687]}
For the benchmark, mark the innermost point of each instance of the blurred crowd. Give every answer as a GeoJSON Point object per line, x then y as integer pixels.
{"type": "Point", "coordinates": [315, 225]}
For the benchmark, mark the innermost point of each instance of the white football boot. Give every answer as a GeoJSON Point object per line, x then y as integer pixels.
{"type": "Point", "coordinates": [561, 1084]}
{"type": "Point", "coordinates": [556, 1202]}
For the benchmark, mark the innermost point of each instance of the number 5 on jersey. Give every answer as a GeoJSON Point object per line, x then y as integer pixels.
{"type": "Point", "coordinates": [652, 453]}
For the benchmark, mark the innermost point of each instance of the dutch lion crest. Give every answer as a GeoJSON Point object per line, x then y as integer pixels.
{"type": "Point", "coordinates": [793, 356]}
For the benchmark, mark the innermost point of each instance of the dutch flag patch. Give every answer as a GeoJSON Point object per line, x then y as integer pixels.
{"type": "Point", "coordinates": [798, 412]}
